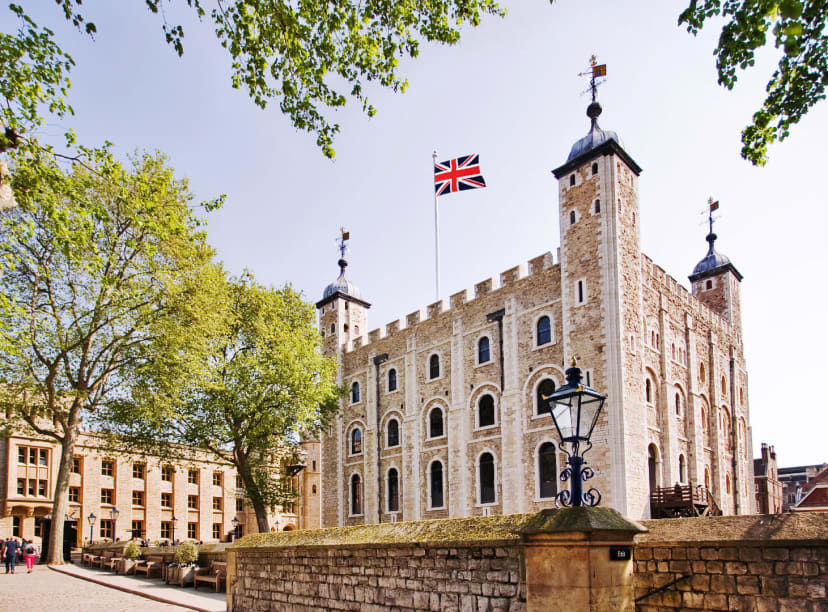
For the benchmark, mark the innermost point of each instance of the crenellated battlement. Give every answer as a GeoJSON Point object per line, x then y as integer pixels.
{"type": "Point", "coordinates": [509, 277]}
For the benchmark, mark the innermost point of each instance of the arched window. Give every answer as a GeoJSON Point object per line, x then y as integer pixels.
{"type": "Point", "coordinates": [393, 433]}
{"type": "Point", "coordinates": [571, 180]}
{"type": "Point", "coordinates": [544, 330]}
{"type": "Point", "coordinates": [648, 391]}
{"type": "Point", "coordinates": [392, 379]}
{"type": "Point", "coordinates": [485, 411]}
{"type": "Point", "coordinates": [678, 404]}
{"type": "Point", "coordinates": [682, 469]}
{"type": "Point", "coordinates": [356, 494]}
{"type": "Point", "coordinates": [547, 470]}
{"type": "Point", "coordinates": [313, 489]}
{"type": "Point", "coordinates": [597, 206]}
{"type": "Point", "coordinates": [724, 386]}
{"type": "Point", "coordinates": [355, 392]}
{"type": "Point", "coordinates": [356, 330]}
{"type": "Point", "coordinates": [595, 168]}
{"type": "Point", "coordinates": [356, 441]}
{"type": "Point", "coordinates": [709, 285]}
{"type": "Point", "coordinates": [435, 422]}
{"type": "Point", "coordinates": [483, 352]}
{"type": "Point", "coordinates": [545, 389]}
{"type": "Point", "coordinates": [652, 458]}
{"type": "Point", "coordinates": [487, 479]}
{"type": "Point", "coordinates": [436, 485]}
{"type": "Point", "coordinates": [393, 490]}
{"type": "Point", "coordinates": [434, 366]}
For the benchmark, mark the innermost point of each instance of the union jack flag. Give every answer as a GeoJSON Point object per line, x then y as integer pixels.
{"type": "Point", "coordinates": [458, 175]}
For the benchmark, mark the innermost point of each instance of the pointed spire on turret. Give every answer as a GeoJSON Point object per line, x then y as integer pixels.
{"type": "Point", "coordinates": [342, 285]}
{"type": "Point", "coordinates": [714, 262]}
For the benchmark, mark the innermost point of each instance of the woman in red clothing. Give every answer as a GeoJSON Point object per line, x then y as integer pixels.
{"type": "Point", "coordinates": [29, 553]}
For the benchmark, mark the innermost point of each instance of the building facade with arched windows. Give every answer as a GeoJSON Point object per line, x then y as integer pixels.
{"type": "Point", "coordinates": [445, 418]}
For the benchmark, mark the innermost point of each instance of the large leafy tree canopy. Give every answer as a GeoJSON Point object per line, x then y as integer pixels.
{"type": "Point", "coordinates": [310, 55]}
{"type": "Point", "coordinates": [95, 263]}
{"type": "Point", "coordinates": [257, 386]}
{"type": "Point", "coordinates": [798, 29]}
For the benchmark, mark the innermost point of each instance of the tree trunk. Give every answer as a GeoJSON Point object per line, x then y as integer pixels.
{"type": "Point", "coordinates": [67, 447]}
{"type": "Point", "coordinates": [261, 517]}
{"type": "Point", "coordinates": [243, 468]}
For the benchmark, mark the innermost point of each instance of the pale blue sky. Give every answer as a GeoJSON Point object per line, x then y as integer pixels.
{"type": "Point", "coordinates": [511, 93]}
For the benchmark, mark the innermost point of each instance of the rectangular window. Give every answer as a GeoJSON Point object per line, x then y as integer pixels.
{"type": "Point", "coordinates": [167, 473]}
{"type": "Point", "coordinates": [137, 498]}
{"type": "Point", "coordinates": [44, 457]}
{"type": "Point", "coordinates": [74, 494]}
{"type": "Point", "coordinates": [32, 487]}
{"type": "Point", "coordinates": [21, 454]}
{"type": "Point", "coordinates": [107, 495]}
{"type": "Point", "coordinates": [38, 529]}
{"type": "Point", "coordinates": [216, 503]}
{"type": "Point", "coordinates": [76, 465]}
{"type": "Point", "coordinates": [192, 531]}
{"type": "Point", "coordinates": [33, 456]}
{"type": "Point", "coordinates": [16, 526]}
{"type": "Point", "coordinates": [216, 531]}
{"type": "Point", "coordinates": [166, 529]}
{"type": "Point", "coordinates": [166, 500]}
{"type": "Point", "coordinates": [106, 528]}
{"type": "Point", "coordinates": [138, 470]}
{"type": "Point", "coordinates": [239, 505]}
{"type": "Point", "coordinates": [581, 292]}
{"type": "Point", "coordinates": [107, 469]}
{"type": "Point", "coordinates": [41, 488]}
{"type": "Point", "coordinates": [137, 529]}
{"type": "Point", "coordinates": [192, 502]}
{"type": "Point", "coordinates": [216, 479]}
{"type": "Point", "coordinates": [239, 482]}
{"type": "Point", "coordinates": [21, 486]}
{"type": "Point", "coordinates": [192, 476]}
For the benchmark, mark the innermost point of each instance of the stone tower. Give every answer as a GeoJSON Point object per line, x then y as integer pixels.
{"type": "Point", "coordinates": [600, 300]}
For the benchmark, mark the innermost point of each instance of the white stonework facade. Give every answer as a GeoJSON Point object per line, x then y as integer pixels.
{"type": "Point", "coordinates": [670, 362]}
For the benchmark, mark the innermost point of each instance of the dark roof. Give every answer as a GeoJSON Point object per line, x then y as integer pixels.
{"type": "Point", "coordinates": [713, 263]}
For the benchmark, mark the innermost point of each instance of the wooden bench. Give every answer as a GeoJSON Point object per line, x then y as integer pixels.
{"type": "Point", "coordinates": [150, 566]}
{"type": "Point", "coordinates": [111, 561]}
{"type": "Point", "coordinates": [215, 574]}
{"type": "Point", "coordinates": [103, 558]}
{"type": "Point", "coordinates": [86, 559]}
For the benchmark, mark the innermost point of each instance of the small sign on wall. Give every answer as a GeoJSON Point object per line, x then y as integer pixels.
{"type": "Point", "coordinates": [620, 553]}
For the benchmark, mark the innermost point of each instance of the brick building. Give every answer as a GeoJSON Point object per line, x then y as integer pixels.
{"type": "Point", "coordinates": [794, 480]}
{"type": "Point", "coordinates": [202, 494]}
{"type": "Point", "coordinates": [444, 419]}
{"type": "Point", "coordinates": [766, 482]}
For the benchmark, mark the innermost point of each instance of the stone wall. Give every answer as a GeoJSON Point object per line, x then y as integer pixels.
{"type": "Point", "coordinates": [766, 563]}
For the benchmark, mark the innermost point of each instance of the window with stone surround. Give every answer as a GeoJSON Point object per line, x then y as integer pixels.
{"type": "Point", "coordinates": [484, 354]}
{"type": "Point", "coordinates": [435, 488]}
{"type": "Point", "coordinates": [546, 387]}
{"type": "Point", "coordinates": [107, 467]}
{"type": "Point", "coordinates": [76, 465]}
{"type": "Point", "coordinates": [355, 392]}
{"type": "Point", "coordinates": [547, 471]}
{"type": "Point", "coordinates": [356, 495]}
{"type": "Point", "coordinates": [597, 206]}
{"type": "Point", "coordinates": [137, 529]}
{"type": "Point", "coordinates": [217, 479]}
{"type": "Point", "coordinates": [485, 411]}
{"type": "Point", "coordinates": [435, 423]}
{"type": "Point", "coordinates": [106, 528]}
{"type": "Point", "coordinates": [216, 531]}
{"type": "Point", "coordinates": [217, 503]}
{"type": "Point", "coordinates": [572, 217]}
{"type": "Point", "coordinates": [107, 495]}
{"type": "Point", "coordinates": [356, 441]}
{"type": "Point", "coordinates": [682, 469]}
{"type": "Point", "coordinates": [580, 291]}
{"type": "Point", "coordinates": [486, 478]}
{"type": "Point", "coordinates": [678, 404]}
{"type": "Point", "coordinates": [392, 437]}
{"type": "Point", "coordinates": [192, 531]}
{"type": "Point", "coordinates": [166, 500]}
{"type": "Point", "coordinates": [167, 473]}
{"type": "Point", "coordinates": [572, 180]}
{"type": "Point", "coordinates": [594, 169]}
{"type": "Point", "coordinates": [239, 505]}
{"type": "Point", "coordinates": [393, 490]}
{"type": "Point", "coordinates": [137, 498]}
{"type": "Point", "coordinates": [392, 380]}
{"type": "Point", "coordinates": [166, 530]}
{"type": "Point", "coordinates": [192, 476]}
{"type": "Point", "coordinates": [74, 495]}
{"type": "Point", "coordinates": [138, 470]}
{"type": "Point", "coordinates": [543, 331]}
{"type": "Point", "coordinates": [192, 502]}
{"type": "Point", "coordinates": [434, 367]}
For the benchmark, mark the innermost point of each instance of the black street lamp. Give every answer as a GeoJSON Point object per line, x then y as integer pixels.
{"type": "Point", "coordinates": [91, 518]}
{"type": "Point", "coordinates": [575, 408]}
{"type": "Point", "coordinates": [235, 522]}
{"type": "Point", "coordinates": [174, 521]}
{"type": "Point", "coordinates": [114, 514]}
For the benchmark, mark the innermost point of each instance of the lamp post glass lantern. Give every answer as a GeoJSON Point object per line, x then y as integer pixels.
{"type": "Point", "coordinates": [91, 518]}
{"type": "Point", "coordinates": [114, 514]}
{"type": "Point", "coordinates": [575, 409]}
{"type": "Point", "coordinates": [235, 522]}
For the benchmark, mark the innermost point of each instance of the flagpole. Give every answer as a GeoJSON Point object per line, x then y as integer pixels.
{"type": "Point", "coordinates": [436, 235]}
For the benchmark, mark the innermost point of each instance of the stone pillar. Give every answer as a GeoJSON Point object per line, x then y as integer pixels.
{"type": "Point", "coordinates": [572, 560]}
{"type": "Point", "coordinates": [230, 577]}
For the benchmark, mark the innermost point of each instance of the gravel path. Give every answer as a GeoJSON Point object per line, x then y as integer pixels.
{"type": "Point", "coordinates": [45, 590]}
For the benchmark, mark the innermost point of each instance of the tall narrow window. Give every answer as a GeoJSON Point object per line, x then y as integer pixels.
{"type": "Point", "coordinates": [436, 488]}
{"type": "Point", "coordinates": [597, 206]}
{"type": "Point", "coordinates": [648, 391]}
{"type": "Point", "coordinates": [393, 434]}
{"type": "Point", "coordinates": [487, 479]}
{"type": "Point", "coordinates": [544, 330]}
{"type": "Point", "coordinates": [392, 380]}
{"type": "Point", "coordinates": [483, 352]}
{"type": "Point", "coordinates": [356, 495]}
{"type": "Point", "coordinates": [682, 469]}
{"type": "Point", "coordinates": [547, 470]}
{"type": "Point", "coordinates": [393, 490]}
{"type": "Point", "coordinates": [356, 441]}
{"type": "Point", "coordinates": [333, 328]}
{"type": "Point", "coordinates": [594, 168]}
{"type": "Point", "coordinates": [355, 393]}
{"type": "Point", "coordinates": [580, 292]}
{"type": "Point", "coordinates": [706, 478]}
{"type": "Point", "coordinates": [571, 180]}
{"type": "Point", "coordinates": [652, 453]}
{"type": "Point", "coordinates": [572, 218]}
{"type": "Point", "coordinates": [435, 423]}
{"type": "Point", "coordinates": [485, 411]}
{"type": "Point", "coordinates": [545, 389]}
{"type": "Point", "coordinates": [678, 404]}
{"type": "Point", "coordinates": [434, 366]}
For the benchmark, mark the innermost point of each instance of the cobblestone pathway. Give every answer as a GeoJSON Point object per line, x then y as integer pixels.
{"type": "Point", "coordinates": [45, 590]}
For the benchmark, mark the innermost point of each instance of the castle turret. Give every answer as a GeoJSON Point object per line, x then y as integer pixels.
{"type": "Point", "coordinates": [716, 281]}
{"type": "Point", "coordinates": [342, 311]}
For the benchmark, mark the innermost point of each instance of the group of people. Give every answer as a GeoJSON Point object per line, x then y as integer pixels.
{"type": "Point", "coordinates": [12, 551]}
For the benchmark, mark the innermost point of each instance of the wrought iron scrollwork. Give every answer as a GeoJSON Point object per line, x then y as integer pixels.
{"type": "Point", "coordinates": [578, 473]}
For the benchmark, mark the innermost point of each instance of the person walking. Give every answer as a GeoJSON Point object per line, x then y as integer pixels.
{"type": "Point", "coordinates": [29, 554]}
{"type": "Point", "coordinates": [10, 553]}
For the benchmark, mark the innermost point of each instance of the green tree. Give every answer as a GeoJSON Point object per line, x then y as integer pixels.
{"type": "Point", "coordinates": [303, 54]}
{"type": "Point", "coordinates": [798, 30]}
{"type": "Point", "coordinates": [260, 385]}
{"type": "Point", "coordinates": [94, 262]}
